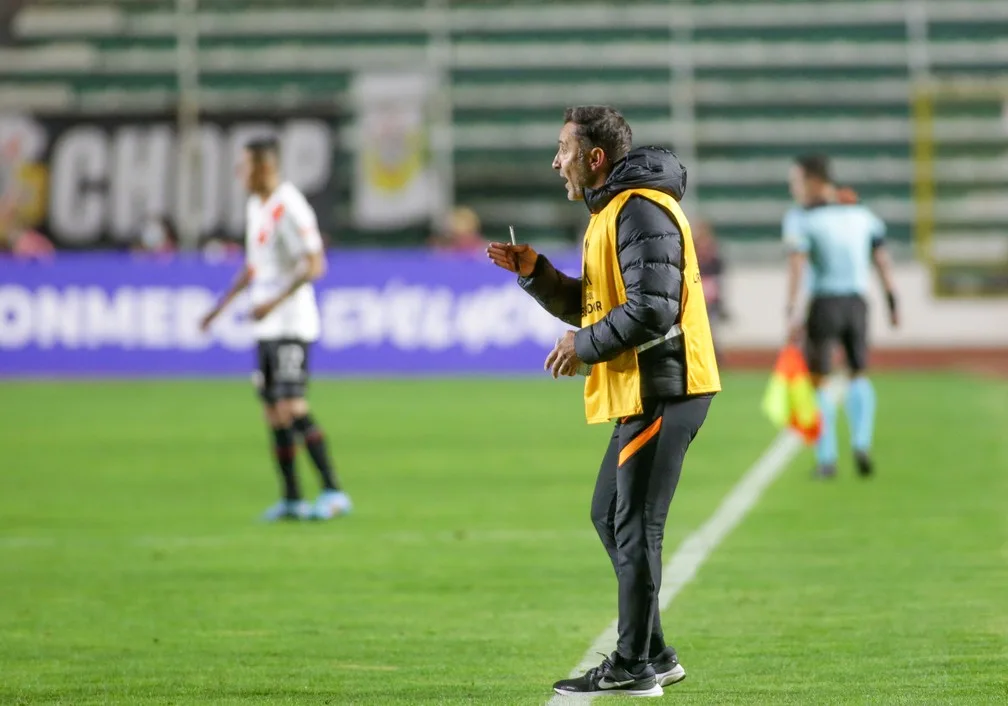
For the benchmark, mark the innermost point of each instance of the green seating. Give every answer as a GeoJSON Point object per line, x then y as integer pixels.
{"type": "Point", "coordinates": [768, 80]}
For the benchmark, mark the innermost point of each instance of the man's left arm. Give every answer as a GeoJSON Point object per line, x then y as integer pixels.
{"type": "Point", "coordinates": [311, 266]}
{"type": "Point", "coordinates": [649, 246]}
{"type": "Point", "coordinates": [883, 264]}
{"type": "Point", "coordinates": [797, 245]}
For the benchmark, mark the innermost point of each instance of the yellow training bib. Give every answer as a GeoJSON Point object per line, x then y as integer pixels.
{"type": "Point", "coordinates": [613, 388]}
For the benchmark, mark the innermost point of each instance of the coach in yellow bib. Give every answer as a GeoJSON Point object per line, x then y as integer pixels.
{"type": "Point", "coordinates": [644, 341]}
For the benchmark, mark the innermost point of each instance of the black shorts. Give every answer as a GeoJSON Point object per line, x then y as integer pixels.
{"type": "Point", "coordinates": [837, 319]}
{"type": "Point", "coordinates": [283, 369]}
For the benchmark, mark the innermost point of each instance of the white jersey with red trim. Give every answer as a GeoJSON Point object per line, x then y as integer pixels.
{"type": "Point", "coordinates": [278, 234]}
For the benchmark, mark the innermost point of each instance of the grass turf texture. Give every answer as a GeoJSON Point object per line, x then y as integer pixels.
{"type": "Point", "coordinates": [134, 570]}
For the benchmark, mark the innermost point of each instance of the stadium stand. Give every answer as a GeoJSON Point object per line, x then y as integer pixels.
{"type": "Point", "coordinates": [736, 89]}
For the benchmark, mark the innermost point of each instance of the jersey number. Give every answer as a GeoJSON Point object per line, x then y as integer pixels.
{"type": "Point", "coordinates": [290, 359]}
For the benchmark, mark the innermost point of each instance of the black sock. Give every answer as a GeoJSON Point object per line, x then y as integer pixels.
{"type": "Point", "coordinates": [283, 447]}
{"type": "Point", "coordinates": [656, 647]}
{"type": "Point", "coordinates": [315, 443]}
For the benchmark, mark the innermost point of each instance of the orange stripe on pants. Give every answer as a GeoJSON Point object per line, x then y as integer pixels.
{"type": "Point", "coordinates": [638, 441]}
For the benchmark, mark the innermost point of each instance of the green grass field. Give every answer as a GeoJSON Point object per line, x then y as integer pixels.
{"type": "Point", "coordinates": [134, 570]}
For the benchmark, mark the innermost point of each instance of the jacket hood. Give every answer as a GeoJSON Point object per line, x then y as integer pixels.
{"type": "Point", "coordinates": [643, 168]}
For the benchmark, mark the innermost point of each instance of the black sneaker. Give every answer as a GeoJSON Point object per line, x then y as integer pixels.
{"type": "Point", "coordinates": [667, 669]}
{"type": "Point", "coordinates": [865, 467]}
{"type": "Point", "coordinates": [611, 677]}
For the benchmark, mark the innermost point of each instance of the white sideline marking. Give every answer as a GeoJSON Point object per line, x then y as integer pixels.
{"type": "Point", "coordinates": [694, 550]}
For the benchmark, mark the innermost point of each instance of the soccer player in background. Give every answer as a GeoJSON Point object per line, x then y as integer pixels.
{"type": "Point", "coordinates": [643, 329]}
{"type": "Point", "coordinates": [284, 256]}
{"type": "Point", "coordinates": [835, 241]}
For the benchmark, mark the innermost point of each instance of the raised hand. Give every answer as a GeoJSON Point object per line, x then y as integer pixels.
{"type": "Point", "coordinates": [520, 259]}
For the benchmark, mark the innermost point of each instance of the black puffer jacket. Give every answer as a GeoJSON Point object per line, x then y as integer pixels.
{"type": "Point", "coordinates": [649, 245]}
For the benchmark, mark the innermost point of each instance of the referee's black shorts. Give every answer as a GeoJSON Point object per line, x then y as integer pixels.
{"type": "Point", "coordinates": [837, 319]}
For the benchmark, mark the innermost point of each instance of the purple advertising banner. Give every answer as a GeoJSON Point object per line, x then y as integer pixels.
{"type": "Point", "coordinates": [383, 312]}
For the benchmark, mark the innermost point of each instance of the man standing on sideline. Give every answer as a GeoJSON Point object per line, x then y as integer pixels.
{"type": "Point", "coordinates": [835, 240]}
{"type": "Point", "coordinates": [284, 255]}
{"type": "Point", "coordinates": [643, 330]}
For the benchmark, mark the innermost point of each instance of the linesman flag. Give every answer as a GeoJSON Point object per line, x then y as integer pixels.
{"type": "Point", "coordinates": [790, 400]}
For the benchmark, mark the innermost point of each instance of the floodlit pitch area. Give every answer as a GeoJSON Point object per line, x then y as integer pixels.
{"type": "Point", "coordinates": [134, 570]}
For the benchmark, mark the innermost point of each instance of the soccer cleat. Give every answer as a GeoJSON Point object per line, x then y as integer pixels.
{"type": "Point", "coordinates": [865, 467]}
{"type": "Point", "coordinates": [667, 669]}
{"type": "Point", "coordinates": [330, 504]}
{"type": "Point", "coordinates": [287, 510]}
{"type": "Point", "coordinates": [611, 677]}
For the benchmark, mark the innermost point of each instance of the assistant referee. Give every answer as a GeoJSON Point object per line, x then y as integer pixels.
{"type": "Point", "coordinates": [835, 242]}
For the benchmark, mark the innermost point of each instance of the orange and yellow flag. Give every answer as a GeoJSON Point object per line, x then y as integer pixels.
{"type": "Point", "coordinates": [790, 398]}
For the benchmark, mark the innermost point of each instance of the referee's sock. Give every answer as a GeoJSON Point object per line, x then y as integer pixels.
{"type": "Point", "coordinates": [826, 446]}
{"type": "Point", "coordinates": [284, 449]}
{"type": "Point", "coordinates": [315, 443]}
{"type": "Point", "coordinates": [861, 412]}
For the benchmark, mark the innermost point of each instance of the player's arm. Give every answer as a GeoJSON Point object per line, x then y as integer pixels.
{"type": "Point", "coordinates": [311, 267]}
{"type": "Point", "coordinates": [649, 246]}
{"type": "Point", "coordinates": [242, 281]}
{"type": "Point", "coordinates": [883, 265]}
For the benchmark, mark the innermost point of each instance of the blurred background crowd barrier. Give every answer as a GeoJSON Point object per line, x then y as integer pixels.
{"type": "Point", "coordinates": [420, 130]}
